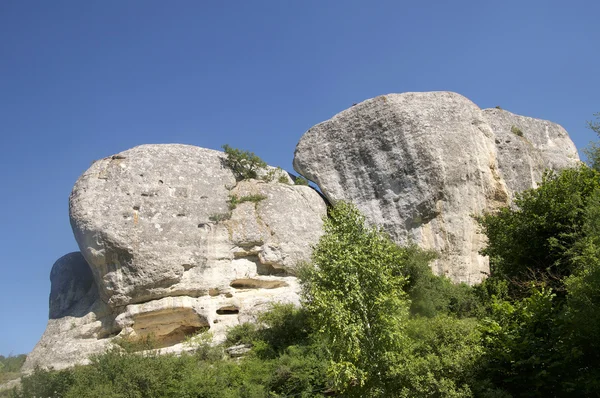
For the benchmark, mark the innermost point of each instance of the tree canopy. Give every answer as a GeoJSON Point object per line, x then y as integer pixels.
{"type": "Point", "coordinates": [535, 241]}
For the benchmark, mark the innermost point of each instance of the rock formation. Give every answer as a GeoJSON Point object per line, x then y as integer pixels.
{"type": "Point", "coordinates": [422, 164]}
{"type": "Point", "coordinates": [527, 146]}
{"type": "Point", "coordinates": [171, 244]}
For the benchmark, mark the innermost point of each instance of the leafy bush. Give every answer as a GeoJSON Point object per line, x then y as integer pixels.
{"type": "Point", "coordinates": [536, 241]}
{"type": "Point", "coordinates": [354, 296]}
{"type": "Point", "coordinates": [12, 363]}
{"type": "Point", "coordinates": [437, 295]}
{"type": "Point", "coordinates": [522, 344]}
{"type": "Point", "coordinates": [440, 360]}
{"type": "Point", "coordinates": [271, 173]}
{"type": "Point", "coordinates": [540, 340]}
{"type": "Point", "coordinates": [45, 383]}
{"type": "Point", "coordinates": [284, 325]}
{"type": "Point", "coordinates": [10, 367]}
{"type": "Point", "coordinates": [299, 372]}
{"type": "Point", "coordinates": [245, 333]}
{"type": "Point", "coordinates": [592, 152]}
{"type": "Point", "coordinates": [131, 345]}
{"type": "Point", "coordinates": [244, 164]}
{"type": "Point", "coordinates": [219, 217]}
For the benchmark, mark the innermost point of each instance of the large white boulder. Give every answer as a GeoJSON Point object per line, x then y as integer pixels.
{"type": "Point", "coordinates": [165, 254]}
{"type": "Point", "coordinates": [422, 164]}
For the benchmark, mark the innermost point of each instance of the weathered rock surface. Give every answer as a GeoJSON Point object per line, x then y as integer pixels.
{"type": "Point", "coordinates": [421, 164]}
{"type": "Point", "coordinates": [79, 322]}
{"type": "Point", "coordinates": [164, 256]}
{"type": "Point", "coordinates": [527, 146]}
{"type": "Point", "coordinates": [73, 289]}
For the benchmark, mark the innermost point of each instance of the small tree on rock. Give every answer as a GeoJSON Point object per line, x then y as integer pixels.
{"type": "Point", "coordinates": [244, 164]}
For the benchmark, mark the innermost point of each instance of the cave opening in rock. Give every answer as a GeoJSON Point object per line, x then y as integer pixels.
{"type": "Point", "coordinates": [228, 310]}
{"type": "Point", "coordinates": [169, 326]}
{"type": "Point", "coordinates": [249, 283]}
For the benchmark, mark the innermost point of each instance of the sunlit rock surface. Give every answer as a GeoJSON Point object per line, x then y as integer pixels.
{"type": "Point", "coordinates": [422, 164]}
{"type": "Point", "coordinates": [165, 256]}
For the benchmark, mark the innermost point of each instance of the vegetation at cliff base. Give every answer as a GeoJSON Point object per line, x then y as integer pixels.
{"type": "Point", "coordinates": [356, 334]}
{"type": "Point", "coordinates": [540, 339]}
{"type": "Point", "coordinates": [593, 150]}
{"type": "Point", "coordinates": [10, 367]}
{"type": "Point", "coordinates": [376, 322]}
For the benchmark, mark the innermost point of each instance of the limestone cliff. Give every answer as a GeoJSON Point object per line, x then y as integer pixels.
{"type": "Point", "coordinates": [421, 164]}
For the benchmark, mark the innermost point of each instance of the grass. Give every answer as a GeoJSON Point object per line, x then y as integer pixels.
{"type": "Point", "coordinates": [218, 217]}
{"type": "Point", "coordinates": [516, 131]}
{"type": "Point", "coordinates": [235, 200]}
{"type": "Point", "coordinates": [300, 181]}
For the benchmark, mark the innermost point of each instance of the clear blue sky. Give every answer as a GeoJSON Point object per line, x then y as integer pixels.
{"type": "Point", "coordinates": [81, 80]}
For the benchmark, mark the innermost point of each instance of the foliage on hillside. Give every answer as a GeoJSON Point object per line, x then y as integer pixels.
{"type": "Point", "coordinates": [358, 292]}
{"type": "Point", "coordinates": [536, 242]}
{"type": "Point", "coordinates": [541, 340]}
{"type": "Point", "coordinates": [10, 367]}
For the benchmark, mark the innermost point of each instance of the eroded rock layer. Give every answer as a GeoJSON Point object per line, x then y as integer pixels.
{"type": "Point", "coordinates": [422, 164]}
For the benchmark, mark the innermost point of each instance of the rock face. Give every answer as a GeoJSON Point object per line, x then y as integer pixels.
{"type": "Point", "coordinates": [421, 164]}
{"type": "Point", "coordinates": [171, 244]}
{"type": "Point", "coordinates": [526, 147]}
{"type": "Point", "coordinates": [73, 288]}
{"type": "Point", "coordinates": [79, 322]}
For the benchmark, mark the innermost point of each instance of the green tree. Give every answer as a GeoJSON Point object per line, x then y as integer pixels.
{"type": "Point", "coordinates": [582, 309]}
{"type": "Point", "coordinates": [542, 339]}
{"type": "Point", "coordinates": [524, 352]}
{"type": "Point", "coordinates": [244, 164]}
{"type": "Point", "coordinates": [593, 150]}
{"type": "Point", "coordinates": [535, 242]}
{"type": "Point", "coordinates": [443, 353]}
{"type": "Point", "coordinates": [354, 294]}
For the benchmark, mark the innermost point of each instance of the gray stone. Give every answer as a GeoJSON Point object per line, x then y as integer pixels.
{"type": "Point", "coordinates": [73, 289]}
{"type": "Point", "coordinates": [279, 229]}
{"type": "Point", "coordinates": [80, 323]}
{"type": "Point", "coordinates": [167, 256]}
{"type": "Point", "coordinates": [73, 338]}
{"type": "Point", "coordinates": [140, 219]}
{"type": "Point", "coordinates": [421, 165]}
{"type": "Point", "coordinates": [527, 146]}
{"type": "Point", "coordinates": [237, 351]}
